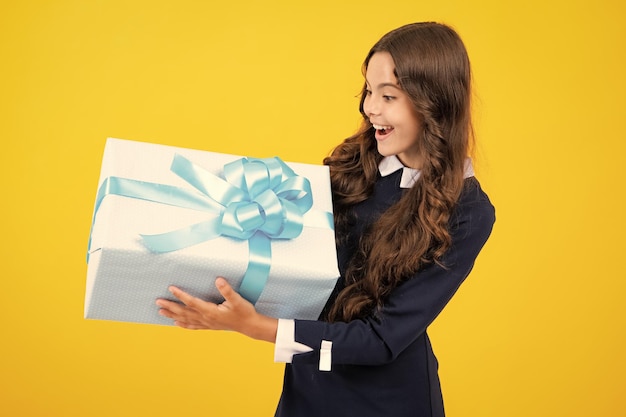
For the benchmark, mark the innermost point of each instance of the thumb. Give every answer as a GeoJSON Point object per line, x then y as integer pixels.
{"type": "Point", "coordinates": [226, 290]}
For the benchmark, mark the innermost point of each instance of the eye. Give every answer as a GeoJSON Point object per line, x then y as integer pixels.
{"type": "Point", "coordinates": [388, 98]}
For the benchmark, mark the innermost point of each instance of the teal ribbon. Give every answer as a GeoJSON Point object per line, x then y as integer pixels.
{"type": "Point", "coordinates": [259, 200]}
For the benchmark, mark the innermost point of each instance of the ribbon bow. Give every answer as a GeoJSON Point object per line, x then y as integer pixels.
{"type": "Point", "coordinates": [259, 200]}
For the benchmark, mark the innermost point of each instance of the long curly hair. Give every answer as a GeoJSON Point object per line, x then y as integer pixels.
{"type": "Point", "coordinates": [432, 67]}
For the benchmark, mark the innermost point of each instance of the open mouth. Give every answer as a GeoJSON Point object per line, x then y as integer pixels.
{"type": "Point", "coordinates": [382, 131]}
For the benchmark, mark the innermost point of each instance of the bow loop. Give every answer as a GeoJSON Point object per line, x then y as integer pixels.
{"type": "Point", "coordinates": [297, 190]}
{"type": "Point", "coordinates": [275, 199]}
{"type": "Point", "coordinates": [272, 208]}
{"type": "Point", "coordinates": [240, 220]}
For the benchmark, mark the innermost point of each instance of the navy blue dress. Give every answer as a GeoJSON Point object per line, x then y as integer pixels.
{"type": "Point", "coordinates": [384, 365]}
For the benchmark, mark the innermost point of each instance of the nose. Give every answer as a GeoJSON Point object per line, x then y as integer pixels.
{"type": "Point", "coordinates": [370, 106]}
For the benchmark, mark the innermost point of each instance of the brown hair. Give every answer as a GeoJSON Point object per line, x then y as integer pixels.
{"type": "Point", "coordinates": [432, 67]}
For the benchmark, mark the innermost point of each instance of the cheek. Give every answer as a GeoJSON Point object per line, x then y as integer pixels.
{"type": "Point", "coordinates": [415, 125]}
{"type": "Point", "coordinates": [412, 135]}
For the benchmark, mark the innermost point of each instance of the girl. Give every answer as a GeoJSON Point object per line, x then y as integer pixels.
{"type": "Point", "coordinates": [410, 221]}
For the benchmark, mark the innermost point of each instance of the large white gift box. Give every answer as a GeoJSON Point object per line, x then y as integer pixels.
{"type": "Point", "coordinates": [173, 216]}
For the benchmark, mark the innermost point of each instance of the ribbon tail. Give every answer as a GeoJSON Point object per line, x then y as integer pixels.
{"type": "Point", "coordinates": [319, 219]}
{"type": "Point", "coordinates": [258, 271]}
{"type": "Point", "coordinates": [205, 182]}
{"type": "Point", "coordinates": [153, 192]}
{"type": "Point", "coordinates": [182, 238]}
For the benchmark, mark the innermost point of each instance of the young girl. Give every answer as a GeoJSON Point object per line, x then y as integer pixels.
{"type": "Point", "coordinates": [410, 221]}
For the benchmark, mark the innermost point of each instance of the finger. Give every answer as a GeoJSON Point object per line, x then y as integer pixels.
{"type": "Point", "coordinates": [226, 290]}
{"type": "Point", "coordinates": [186, 298]}
{"type": "Point", "coordinates": [186, 318]}
{"type": "Point", "coordinates": [190, 326]}
{"type": "Point", "coordinates": [168, 313]}
{"type": "Point", "coordinates": [170, 305]}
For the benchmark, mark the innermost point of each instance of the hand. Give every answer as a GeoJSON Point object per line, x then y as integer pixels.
{"type": "Point", "coordinates": [235, 313]}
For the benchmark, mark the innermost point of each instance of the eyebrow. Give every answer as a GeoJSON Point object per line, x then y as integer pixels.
{"type": "Point", "coordinates": [382, 85]}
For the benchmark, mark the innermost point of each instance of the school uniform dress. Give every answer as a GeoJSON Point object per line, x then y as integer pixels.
{"type": "Point", "coordinates": [383, 365]}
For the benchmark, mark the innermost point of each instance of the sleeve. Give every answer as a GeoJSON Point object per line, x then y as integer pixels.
{"type": "Point", "coordinates": [285, 346]}
{"type": "Point", "coordinates": [412, 306]}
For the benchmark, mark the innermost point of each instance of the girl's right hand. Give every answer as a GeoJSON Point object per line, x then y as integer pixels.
{"type": "Point", "coordinates": [234, 313]}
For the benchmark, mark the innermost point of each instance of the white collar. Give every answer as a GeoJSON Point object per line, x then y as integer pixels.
{"type": "Point", "coordinates": [391, 164]}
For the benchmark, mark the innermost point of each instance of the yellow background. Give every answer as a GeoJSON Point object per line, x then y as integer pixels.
{"type": "Point", "coordinates": [537, 330]}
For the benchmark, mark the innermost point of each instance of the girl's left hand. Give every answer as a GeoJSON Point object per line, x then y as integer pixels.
{"type": "Point", "coordinates": [235, 313]}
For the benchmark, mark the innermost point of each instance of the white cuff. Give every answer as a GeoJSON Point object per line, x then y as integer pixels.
{"type": "Point", "coordinates": [286, 345]}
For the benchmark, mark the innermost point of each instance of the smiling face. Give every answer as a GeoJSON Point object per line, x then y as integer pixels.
{"type": "Point", "coordinates": [391, 112]}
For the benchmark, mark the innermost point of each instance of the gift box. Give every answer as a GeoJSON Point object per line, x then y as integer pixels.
{"type": "Point", "coordinates": [173, 216]}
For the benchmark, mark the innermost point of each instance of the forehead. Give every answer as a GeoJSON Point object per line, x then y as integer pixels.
{"type": "Point", "coordinates": [381, 70]}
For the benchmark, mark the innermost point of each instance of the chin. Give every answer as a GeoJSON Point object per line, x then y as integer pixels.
{"type": "Point", "coordinates": [383, 151]}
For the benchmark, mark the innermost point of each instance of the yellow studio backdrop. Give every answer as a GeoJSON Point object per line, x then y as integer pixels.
{"type": "Point", "coordinates": [537, 330]}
